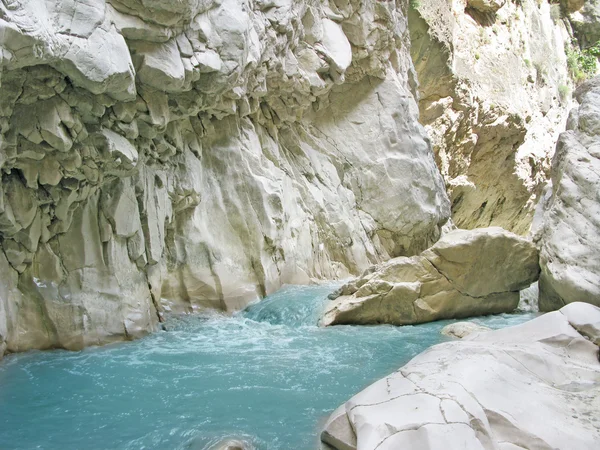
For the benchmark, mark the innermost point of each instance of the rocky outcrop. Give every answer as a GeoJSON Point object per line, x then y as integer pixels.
{"type": "Point", "coordinates": [477, 393]}
{"type": "Point", "coordinates": [570, 234]}
{"type": "Point", "coordinates": [584, 17]}
{"type": "Point", "coordinates": [486, 6]}
{"type": "Point", "coordinates": [163, 155]}
{"type": "Point", "coordinates": [494, 95]}
{"type": "Point", "coordinates": [463, 329]}
{"type": "Point", "coordinates": [466, 273]}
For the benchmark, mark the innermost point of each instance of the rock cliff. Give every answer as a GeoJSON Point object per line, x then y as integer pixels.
{"type": "Point", "coordinates": [478, 393]}
{"type": "Point", "coordinates": [569, 237]}
{"type": "Point", "coordinates": [161, 155]}
{"type": "Point", "coordinates": [494, 95]}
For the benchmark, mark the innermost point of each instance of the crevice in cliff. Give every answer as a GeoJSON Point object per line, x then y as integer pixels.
{"type": "Point", "coordinates": [155, 302]}
{"type": "Point", "coordinates": [217, 280]}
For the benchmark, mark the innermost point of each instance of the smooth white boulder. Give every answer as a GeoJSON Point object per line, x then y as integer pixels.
{"type": "Point", "coordinates": [535, 385]}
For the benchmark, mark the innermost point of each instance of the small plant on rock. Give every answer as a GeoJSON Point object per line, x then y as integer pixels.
{"type": "Point", "coordinates": [563, 92]}
{"type": "Point", "coordinates": [582, 63]}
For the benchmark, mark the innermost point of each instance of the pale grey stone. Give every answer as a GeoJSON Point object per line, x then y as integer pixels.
{"type": "Point", "coordinates": [570, 249]}
{"type": "Point", "coordinates": [490, 97]}
{"type": "Point", "coordinates": [442, 399]}
{"type": "Point", "coordinates": [463, 329]}
{"type": "Point", "coordinates": [200, 153]}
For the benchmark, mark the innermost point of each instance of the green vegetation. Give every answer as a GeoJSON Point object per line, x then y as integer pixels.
{"type": "Point", "coordinates": [556, 12]}
{"type": "Point", "coordinates": [582, 63]}
{"type": "Point", "coordinates": [414, 4]}
{"type": "Point", "coordinates": [563, 92]}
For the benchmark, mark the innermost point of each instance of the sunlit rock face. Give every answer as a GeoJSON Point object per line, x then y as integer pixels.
{"type": "Point", "coordinates": [570, 248]}
{"type": "Point", "coordinates": [161, 155]}
{"type": "Point", "coordinates": [466, 273]}
{"type": "Point", "coordinates": [494, 95]}
{"type": "Point", "coordinates": [442, 398]}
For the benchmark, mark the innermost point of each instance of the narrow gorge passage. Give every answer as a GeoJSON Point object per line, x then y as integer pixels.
{"type": "Point", "coordinates": [268, 375]}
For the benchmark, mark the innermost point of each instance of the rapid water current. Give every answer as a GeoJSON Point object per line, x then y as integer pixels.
{"type": "Point", "coordinates": [267, 375]}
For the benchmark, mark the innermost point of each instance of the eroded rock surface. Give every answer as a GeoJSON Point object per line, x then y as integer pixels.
{"type": "Point", "coordinates": [584, 17]}
{"type": "Point", "coordinates": [478, 393]}
{"type": "Point", "coordinates": [570, 234]}
{"type": "Point", "coordinates": [162, 155]}
{"type": "Point", "coordinates": [494, 96]}
{"type": "Point", "coordinates": [466, 273]}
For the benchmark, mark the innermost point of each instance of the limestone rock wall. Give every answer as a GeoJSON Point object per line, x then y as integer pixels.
{"type": "Point", "coordinates": [570, 225]}
{"type": "Point", "coordinates": [494, 95]}
{"type": "Point", "coordinates": [161, 155]}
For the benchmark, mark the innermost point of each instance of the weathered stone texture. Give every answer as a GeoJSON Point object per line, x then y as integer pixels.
{"type": "Point", "coordinates": [535, 385]}
{"type": "Point", "coordinates": [160, 155]}
{"type": "Point", "coordinates": [570, 233]}
{"type": "Point", "coordinates": [494, 96]}
{"type": "Point", "coordinates": [466, 273]}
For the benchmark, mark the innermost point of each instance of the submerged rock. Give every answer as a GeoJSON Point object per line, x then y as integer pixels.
{"type": "Point", "coordinates": [466, 273]}
{"type": "Point", "coordinates": [570, 234]}
{"type": "Point", "coordinates": [232, 444]}
{"type": "Point", "coordinates": [463, 329]}
{"type": "Point", "coordinates": [478, 393]}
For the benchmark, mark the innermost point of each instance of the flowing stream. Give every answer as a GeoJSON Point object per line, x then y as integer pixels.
{"type": "Point", "coordinates": [268, 375]}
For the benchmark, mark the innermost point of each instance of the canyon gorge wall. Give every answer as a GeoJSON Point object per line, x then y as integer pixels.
{"type": "Point", "coordinates": [494, 96]}
{"type": "Point", "coordinates": [163, 156]}
{"type": "Point", "coordinates": [168, 156]}
{"type": "Point", "coordinates": [569, 216]}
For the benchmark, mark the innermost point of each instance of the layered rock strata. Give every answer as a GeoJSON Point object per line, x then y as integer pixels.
{"type": "Point", "coordinates": [570, 233]}
{"type": "Point", "coordinates": [535, 385]}
{"type": "Point", "coordinates": [161, 155]}
{"type": "Point", "coordinates": [494, 96]}
{"type": "Point", "coordinates": [466, 273]}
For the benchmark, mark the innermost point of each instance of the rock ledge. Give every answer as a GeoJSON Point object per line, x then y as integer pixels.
{"type": "Point", "coordinates": [535, 385]}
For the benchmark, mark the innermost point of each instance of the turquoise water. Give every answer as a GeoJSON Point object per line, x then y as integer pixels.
{"type": "Point", "coordinates": [268, 375]}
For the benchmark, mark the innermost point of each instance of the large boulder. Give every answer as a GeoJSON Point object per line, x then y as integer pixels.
{"type": "Point", "coordinates": [570, 235]}
{"type": "Point", "coordinates": [466, 273]}
{"type": "Point", "coordinates": [534, 386]}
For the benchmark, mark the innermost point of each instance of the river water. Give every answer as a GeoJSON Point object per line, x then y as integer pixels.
{"type": "Point", "coordinates": [268, 375]}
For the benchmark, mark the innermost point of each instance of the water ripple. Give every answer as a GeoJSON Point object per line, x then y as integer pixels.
{"type": "Point", "coordinates": [267, 375]}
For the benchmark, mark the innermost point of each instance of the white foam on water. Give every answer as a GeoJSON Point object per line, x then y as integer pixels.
{"type": "Point", "coordinates": [268, 375]}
